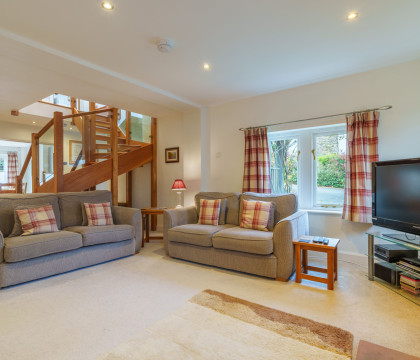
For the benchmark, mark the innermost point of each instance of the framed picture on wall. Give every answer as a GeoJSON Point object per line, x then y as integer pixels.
{"type": "Point", "coordinates": [75, 148]}
{"type": "Point", "coordinates": [172, 155]}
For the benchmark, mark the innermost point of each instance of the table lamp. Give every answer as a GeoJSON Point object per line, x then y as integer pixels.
{"type": "Point", "coordinates": [178, 186]}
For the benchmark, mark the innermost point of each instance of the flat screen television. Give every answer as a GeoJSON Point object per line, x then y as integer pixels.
{"type": "Point", "coordinates": [396, 196]}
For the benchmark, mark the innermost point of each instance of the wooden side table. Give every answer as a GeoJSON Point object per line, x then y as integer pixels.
{"type": "Point", "coordinates": [145, 215]}
{"type": "Point", "coordinates": [301, 257]}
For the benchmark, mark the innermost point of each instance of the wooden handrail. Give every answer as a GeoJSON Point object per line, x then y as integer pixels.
{"type": "Point", "coordinates": [87, 113]}
{"type": "Point", "coordinates": [25, 164]}
{"type": "Point", "coordinates": [45, 129]}
{"type": "Point", "coordinates": [76, 163]}
{"type": "Point", "coordinates": [48, 103]}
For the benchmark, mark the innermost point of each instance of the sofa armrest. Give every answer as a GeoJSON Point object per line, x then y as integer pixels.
{"type": "Point", "coordinates": [1, 247]}
{"type": "Point", "coordinates": [176, 217]}
{"type": "Point", "coordinates": [285, 232]}
{"type": "Point", "coordinates": [129, 216]}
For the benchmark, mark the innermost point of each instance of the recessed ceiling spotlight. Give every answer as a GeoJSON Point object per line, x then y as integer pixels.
{"type": "Point", "coordinates": [206, 66]}
{"type": "Point", "coordinates": [33, 122]}
{"type": "Point", "coordinates": [352, 15]}
{"type": "Point", "coordinates": [71, 128]}
{"type": "Point", "coordinates": [107, 5]}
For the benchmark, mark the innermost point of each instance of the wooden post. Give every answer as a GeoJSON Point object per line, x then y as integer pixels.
{"type": "Point", "coordinates": [114, 156]}
{"type": "Point", "coordinates": [58, 152]}
{"type": "Point", "coordinates": [35, 162]}
{"type": "Point", "coordinates": [129, 175]}
{"type": "Point", "coordinates": [86, 139]}
{"type": "Point", "coordinates": [92, 135]}
{"type": "Point", "coordinates": [153, 171]}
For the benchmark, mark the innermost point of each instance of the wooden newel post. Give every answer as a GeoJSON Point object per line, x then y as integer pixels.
{"type": "Point", "coordinates": [58, 152]}
{"type": "Point", "coordinates": [35, 162]}
{"type": "Point", "coordinates": [153, 172]}
{"type": "Point", "coordinates": [114, 155]}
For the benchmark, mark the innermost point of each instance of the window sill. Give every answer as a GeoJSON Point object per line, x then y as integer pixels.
{"type": "Point", "coordinates": [337, 212]}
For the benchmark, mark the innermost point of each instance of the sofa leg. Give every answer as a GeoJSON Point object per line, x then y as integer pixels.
{"type": "Point", "coordinates": [282, 279]}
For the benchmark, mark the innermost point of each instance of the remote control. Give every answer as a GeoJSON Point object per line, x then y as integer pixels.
{"type": "Point", "coordinates": [304, 241]}
{"type": "Point", "coordinates": [326, 241]}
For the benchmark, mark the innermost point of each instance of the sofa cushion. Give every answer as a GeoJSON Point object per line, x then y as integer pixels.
{"type": "Point", "coordinates": [209, 212]}
{"type": "Point", "coordinates": [229, 208]}
{"type": "Point", "coordinates": [244, 240]}
{"type": "Point", "coordinates": [36, 220]}
{"type": "Point", "coordinates": [256, 215]}
{"type": "Point", "coordinates": [195, 234]}
{"type": "Point", "coordinates": [21, 248]}
{"type": "Point", "coordinates": [71, 205]}
{"type": "Point", "coordinates": [98, 214]}
{"type": "Point", "coordinates": [284, 205]}
{"type": "Point", "coordinates": [94, 235]}
{"type": "Point", "coordinates": [8, 203]}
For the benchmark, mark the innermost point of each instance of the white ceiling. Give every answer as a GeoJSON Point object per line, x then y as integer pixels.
{"type": "Point", "coordinates": [254, 47]}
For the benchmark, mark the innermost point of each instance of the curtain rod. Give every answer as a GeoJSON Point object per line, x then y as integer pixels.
{"type": "Point", "coordinates": [385, 107]}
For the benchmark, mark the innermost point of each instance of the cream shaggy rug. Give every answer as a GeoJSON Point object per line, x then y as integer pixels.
{"type": "Point", "coordinates": [214, 325]}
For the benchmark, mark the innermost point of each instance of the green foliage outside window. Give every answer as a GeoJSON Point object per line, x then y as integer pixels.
{"type": "Point", "coordinates": [331, 170]}
{"type": "Point", "coordinates": [2, 165]}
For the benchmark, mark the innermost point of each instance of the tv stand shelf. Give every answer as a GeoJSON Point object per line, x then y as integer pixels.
{"type": "Point", "coordinates": [374, 235]}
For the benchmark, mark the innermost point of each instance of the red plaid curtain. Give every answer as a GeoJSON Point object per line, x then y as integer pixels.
{"type": "Point", "coordinates": [362, 150]}
{"type": "Point", "coordinates": [257, 161]}
{"type": "Point", "coordinates": [12, 166]}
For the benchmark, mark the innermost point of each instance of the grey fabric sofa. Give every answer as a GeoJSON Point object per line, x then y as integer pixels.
{"type": "Point", "coordinates": [229, 246]}
{"type": "Point", "coordinates": [26, 258]}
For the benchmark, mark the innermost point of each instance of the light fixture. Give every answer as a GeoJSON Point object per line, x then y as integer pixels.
{"type": "Point", "coordinates": [206, 66]}
{"type": "Point", "coordinates": [71, 128]}
{"type": "Point", "coordinates": [352, 15]}
{"type": "Point", "coordinates": [164, 45]}
{"type": "Point", "coordinates": [178, 186]}
{"type": "Point", "coordinates": [33, 122]}
{"type": "Point", "coordinates": [107, 5]}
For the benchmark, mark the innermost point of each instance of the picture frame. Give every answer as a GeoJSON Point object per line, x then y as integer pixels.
{"type": "Point", "coordinates": [74, 150]}
{"type": "Point", "coordinates": [172, 155]}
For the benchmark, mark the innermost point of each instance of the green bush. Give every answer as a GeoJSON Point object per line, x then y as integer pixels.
{"type": "Point", "coordinates": [331, 171]}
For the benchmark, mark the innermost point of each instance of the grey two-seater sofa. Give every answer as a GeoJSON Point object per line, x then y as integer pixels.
{"type": "Point", "coordinates": [229, 246]}
{"type": "Point", "coordinates": [75, 245]}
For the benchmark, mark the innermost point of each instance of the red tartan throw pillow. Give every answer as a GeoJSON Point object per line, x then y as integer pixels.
{"type": "Point", "coordinates": [255, 215]}
{"type": "Point", "coordinates": [98, 214]}
{"type": "Point", "coordinates": [37, 220]}
{"type": "Point", "coordinates": [209, 212]}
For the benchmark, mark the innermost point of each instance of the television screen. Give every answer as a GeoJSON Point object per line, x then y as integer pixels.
{"type": "Point", "coordinates": [398, 192]}
{"type": "Point", "coordinates": [396, 195]}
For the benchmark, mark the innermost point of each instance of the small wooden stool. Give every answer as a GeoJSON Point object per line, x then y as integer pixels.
{"type": "Point", "coordinates": [301, 257]}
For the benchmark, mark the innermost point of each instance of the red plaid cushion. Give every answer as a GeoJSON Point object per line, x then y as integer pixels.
{"type": "Point", "coordinates": [255, 215]}
{"type": "Point", "coordinates": [98, 214]}
{"type": "Point", "coordinates": [209, 212]}
{"type": "Point", "coordinates": [37, 220]}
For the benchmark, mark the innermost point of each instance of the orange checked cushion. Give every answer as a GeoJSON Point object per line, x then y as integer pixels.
{"type": "Point", "coordinates": [255, 215]}
{"type": "Point", "coordinates": [209, 212]}
{"type": "Point", "coordinates": [37, 220]}
{"type": "Point", "coordinates": [98, 214]}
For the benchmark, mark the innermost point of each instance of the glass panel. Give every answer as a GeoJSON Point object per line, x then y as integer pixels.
{"type": "Point", "coordinates": [330, 170]}
{"type": "Point", "coordinates": [140, 127]}
{"type": "Point", "coordinates": [46, 156]}
{"type": "Point", "coordinates": [284, 166]}
{"type": "Point", "coordinates": [72, 144]}
{"type": "Point", "coordinates": [83, 105]}
{"type": "Point", "coordinates": [122, 120]}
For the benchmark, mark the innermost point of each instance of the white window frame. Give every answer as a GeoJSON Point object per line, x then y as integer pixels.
{"type": "Point", "coordinates": [306, 164]}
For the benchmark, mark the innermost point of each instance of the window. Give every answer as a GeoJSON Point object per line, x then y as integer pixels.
{"type": "Point", "coordinates": [310, 163]}
{"type": "Point", "coordinates": [3, 168]}
{"type": "Point", "coordinates": [284, 165]}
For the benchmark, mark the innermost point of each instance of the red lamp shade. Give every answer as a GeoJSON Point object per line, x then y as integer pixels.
{"type": "Point", "coordinates": [178, 185]}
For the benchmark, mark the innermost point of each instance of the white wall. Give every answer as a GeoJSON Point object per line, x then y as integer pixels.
{"type": "Point", "coordinates": [399, 129]}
